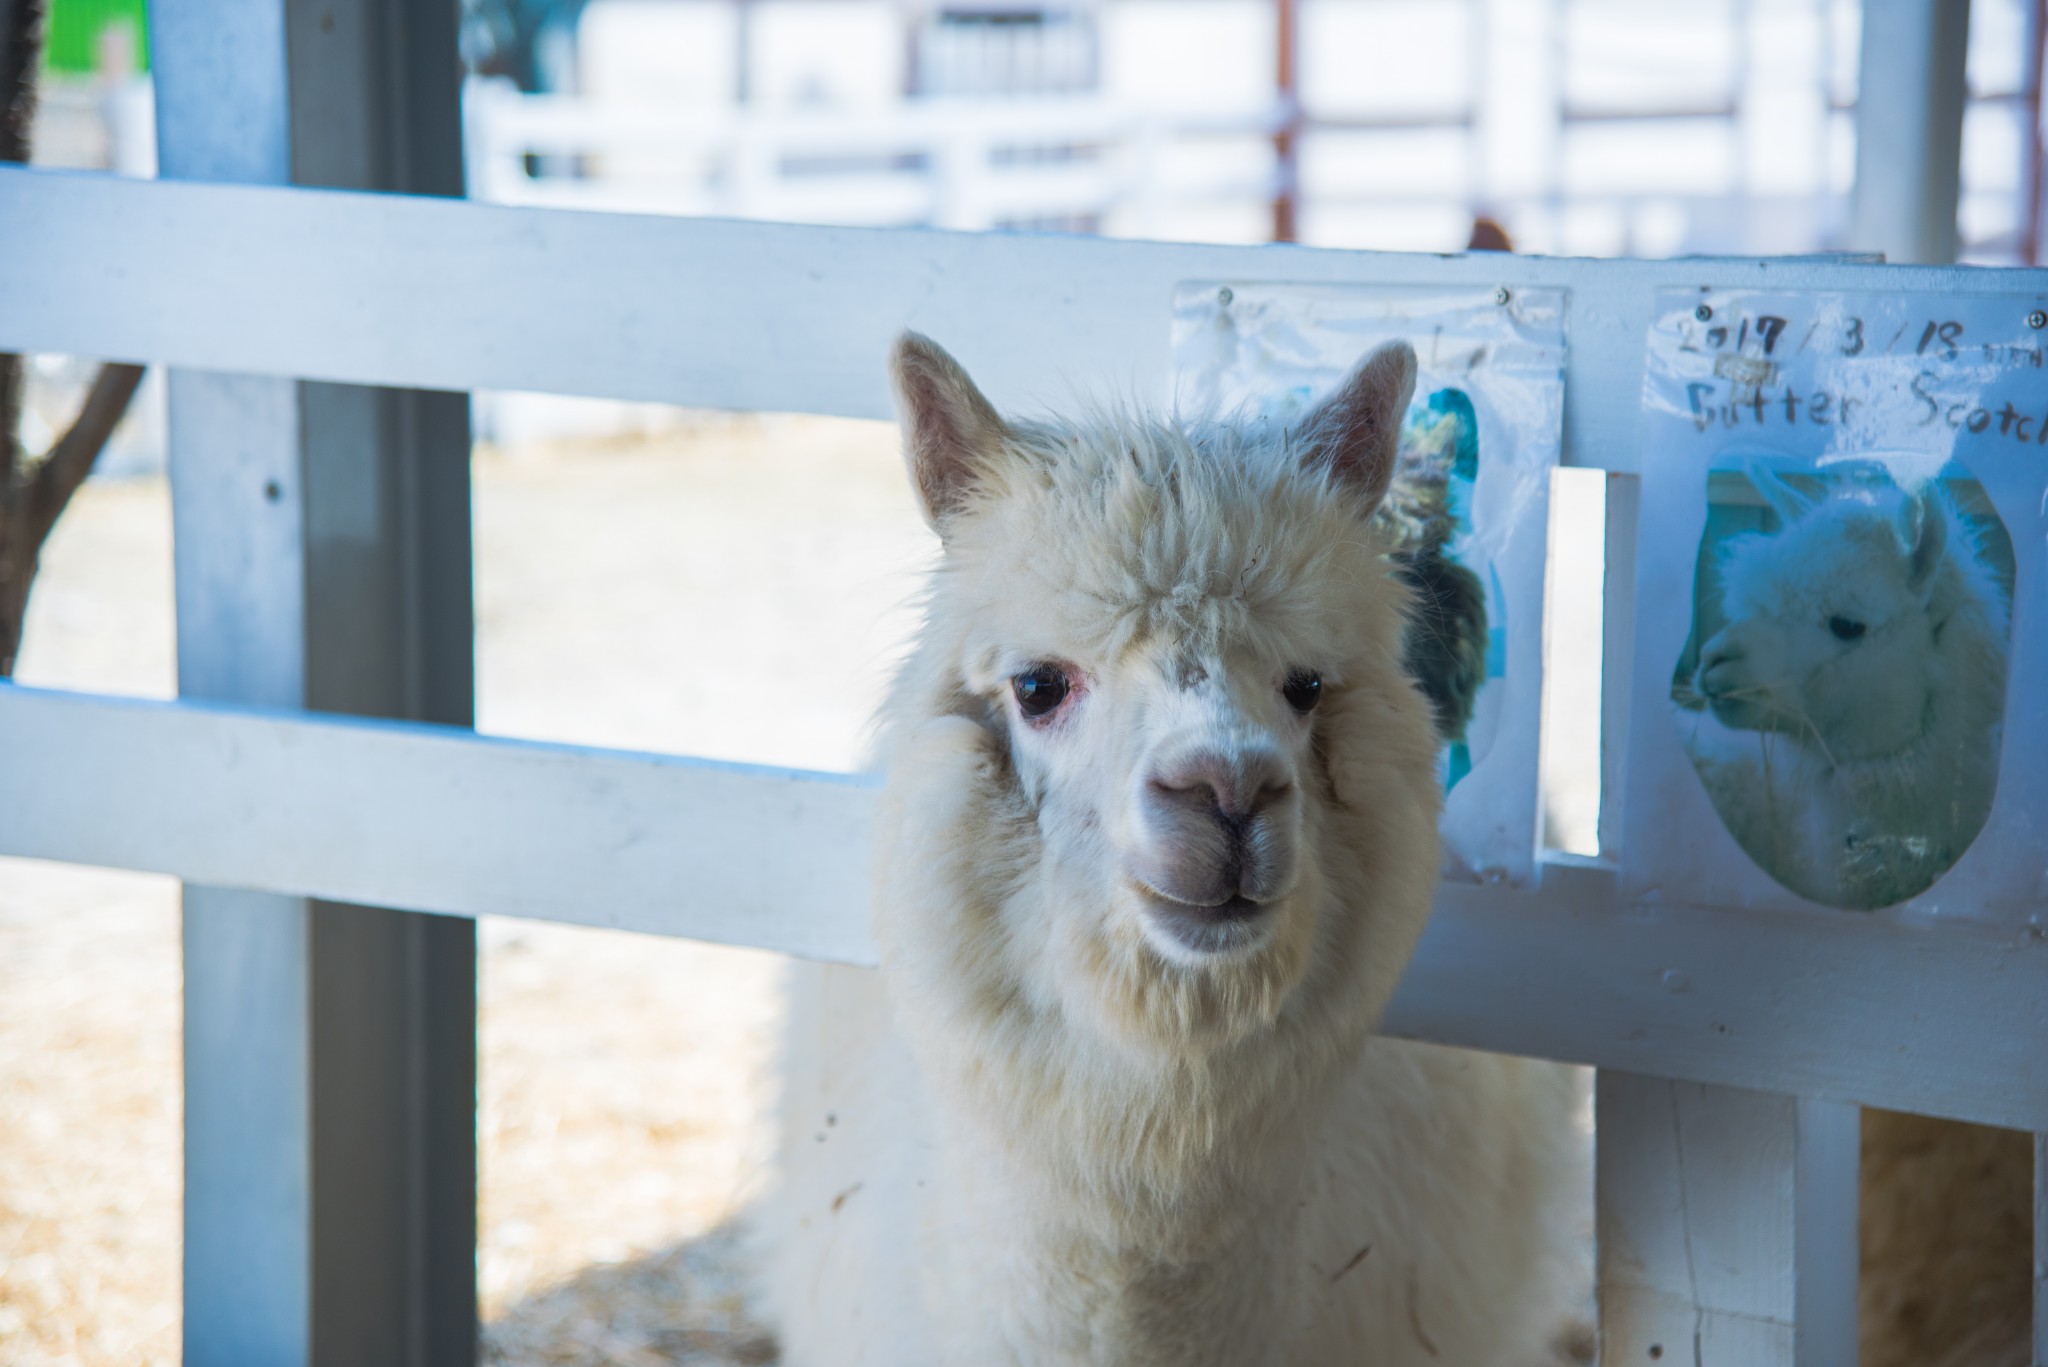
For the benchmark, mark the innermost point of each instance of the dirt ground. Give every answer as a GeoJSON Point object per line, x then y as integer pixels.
{"type": "Point", "coordinates": [669, 593]}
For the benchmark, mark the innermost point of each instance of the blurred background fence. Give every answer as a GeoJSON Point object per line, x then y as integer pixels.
{"type": "Point", "coordinates": [1586, 127]}
{"type": "Point", "coordinates": [1583, 127]}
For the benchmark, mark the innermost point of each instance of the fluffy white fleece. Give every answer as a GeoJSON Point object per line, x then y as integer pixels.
{"type": "Point", "coordinates": [1042, 1134]}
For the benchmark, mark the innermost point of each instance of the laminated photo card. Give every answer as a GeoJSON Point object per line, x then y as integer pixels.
{"type": "Point", "coordinates": [1471, 501]}
{"type": "Point", "coordinates": [1840, 551]}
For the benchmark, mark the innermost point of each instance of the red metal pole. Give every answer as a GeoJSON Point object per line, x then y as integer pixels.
{"type": "Point", "coordinates": [1286, 139]}
{"type": "Point", "coordinates": [2030, 146]}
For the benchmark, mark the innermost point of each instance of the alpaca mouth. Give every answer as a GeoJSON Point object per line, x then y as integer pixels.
{"type": "Point", "coordinates": [1740, 713]}
{"type": "Point", "coordinates": [1747, 712]}
{"type": "Point", "coordinates": [1234, 923]}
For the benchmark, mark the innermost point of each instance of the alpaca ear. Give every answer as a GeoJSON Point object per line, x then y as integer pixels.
{"type": "Point", "coordinates": [950, 432]}
{"type": "Point", "coordinates": [1787, 502]}
{"type": "Point", "coordinates": [1924, 536]}
{"type": "Point", "coordinates": [1354, 433]}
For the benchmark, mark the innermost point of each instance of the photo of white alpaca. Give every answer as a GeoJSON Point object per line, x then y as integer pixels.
{"type": "Point", "coordinates": [1158, 838]}
{"type": "Point", "coordinates": [1844, 698]}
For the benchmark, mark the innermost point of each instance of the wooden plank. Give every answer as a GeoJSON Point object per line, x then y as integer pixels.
{"type": "Point", "coordinates": [223, 113]}
{"type": "Point", "coordinates": [1688, 1271]}
{"type": "Point", "coordinates": [241, 604]}
{"type": "Point", "coordinates": [389, 289]}
{"type": "Point", "coordinates": [1825, 1213]}
{"type": "Point", "coordinates": [433, 819]}
{"type": "Point", "coordinates": [1839, 1007]}
{"type": "Point", "coordinates": [1724, 1238]}
{"type": "Point", "coordinates": [247, 1201]}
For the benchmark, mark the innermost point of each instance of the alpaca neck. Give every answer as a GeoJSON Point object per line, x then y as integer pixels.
{"type": "Point", "coordinates": [1145, 1157]}
{"type": "Point", "coordinates": [1170, 1182]}
{"type": "Point", "coordinates": [1185, 1238]}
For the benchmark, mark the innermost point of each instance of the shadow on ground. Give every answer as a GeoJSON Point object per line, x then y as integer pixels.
{"type": "Point", "coordinates": [682, 1306]}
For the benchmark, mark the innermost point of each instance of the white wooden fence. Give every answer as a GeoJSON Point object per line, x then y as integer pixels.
{"type": "Point", "coordinates": [1734, 1044]}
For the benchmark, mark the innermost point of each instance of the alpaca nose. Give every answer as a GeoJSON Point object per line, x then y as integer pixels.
{"type": "Point", "coordinates": [1215, 828]}
{"type": "Point", "coordinates": [1717, 659]}
{"type": "Point", "coordinates": [1232, 788]}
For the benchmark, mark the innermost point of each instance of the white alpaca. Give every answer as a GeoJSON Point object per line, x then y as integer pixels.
{"type": "Point", "coordinates": [1158, 838]}
{"type": "Point", "coordinates": [1856, 692]}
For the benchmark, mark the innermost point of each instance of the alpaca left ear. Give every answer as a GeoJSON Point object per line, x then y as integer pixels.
{"type": "Point", "coordinates": [1355, 432]}
{"type": "Point", "coordinates": [950, 432]}
{"type": "Point", "coordinates": [1925, 535]}
{"type": "Point", "coordinates": [1779, 495]}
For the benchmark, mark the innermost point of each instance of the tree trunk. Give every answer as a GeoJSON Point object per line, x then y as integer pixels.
{"type": "Point", "coordinates": [33, 495]}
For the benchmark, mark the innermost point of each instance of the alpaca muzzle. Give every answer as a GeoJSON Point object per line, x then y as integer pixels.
{"type": "Point", "coordinates": [1219, 841]}
{"type": "Point", "coordinates": [1724, 681]}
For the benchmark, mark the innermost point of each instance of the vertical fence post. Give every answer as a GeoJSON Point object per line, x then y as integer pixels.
{"type": "Point", "coordinates": [1909, 129]}
{"type": "Point", "coordinates": [1912, 86]}
{"type": "Point", "coordinates": [1727, 1226]}
{"type": "Point", "coordinates": [1617, 653]}
{"type": "Point", "coordinates": [323, 561]}
{"type": "Point", "coordinates": [222, 114]}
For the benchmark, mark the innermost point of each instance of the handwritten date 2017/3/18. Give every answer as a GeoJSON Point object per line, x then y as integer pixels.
{"type": "Point", "coordinates": [1847, 336]}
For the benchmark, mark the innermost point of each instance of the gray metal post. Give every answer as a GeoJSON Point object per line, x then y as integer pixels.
{"type": "Point", "coordinates": [2041, 1250]}
{"type": "Point", "coordinates": [1909, 129]}
{"type": "Point", "coordinates": [323, 561]}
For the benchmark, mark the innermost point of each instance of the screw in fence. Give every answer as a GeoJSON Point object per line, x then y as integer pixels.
{"type": "Point", "coordinates": [1703, 313]}
{"type": "Point", "coordinates": [1501, 296]}
{"type": "Point", "coordinates": [2037, 320]}
{"type": "Point", "coordinates": [1225, 295]}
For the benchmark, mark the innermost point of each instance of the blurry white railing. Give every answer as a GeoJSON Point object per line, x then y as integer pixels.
{"type": "Point", "coordinates": [943, 162]}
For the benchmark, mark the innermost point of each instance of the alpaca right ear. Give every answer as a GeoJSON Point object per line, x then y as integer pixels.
{"type": "Point", "coordinates": [1356, 431]}
{"type": "Point", "coordinates": [950, 432]}
{"type": "Point", "coordinates": [1787, 502]}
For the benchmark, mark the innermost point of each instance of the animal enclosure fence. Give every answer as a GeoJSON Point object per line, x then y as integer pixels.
{"type": "Point", "coordinates": [950, 163]}
{"type": "Point", "coordinates": [1734, 1042]}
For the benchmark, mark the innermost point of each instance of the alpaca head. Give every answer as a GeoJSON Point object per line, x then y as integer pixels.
{"type": "Point", "coordinates": [1183, 644]}
{"type": "Point", "coordinates": [1834, 621]}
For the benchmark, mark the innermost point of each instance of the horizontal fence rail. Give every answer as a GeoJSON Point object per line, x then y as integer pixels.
{"type": "Point", "coordinates": [435, 819]}
{"type": "Point", "coordinates": [428, 293]}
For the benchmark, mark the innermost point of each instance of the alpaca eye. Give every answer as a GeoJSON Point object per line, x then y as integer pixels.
{"type": "Point", "coordinates": [1303, 689]}
{"type": "Point", "coordinates": [1847, 628]}
{"type": "Point", "coordinates": [1039, 690]}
